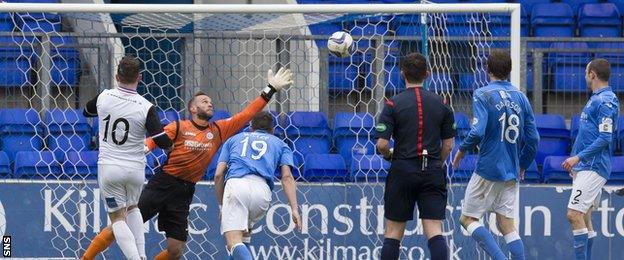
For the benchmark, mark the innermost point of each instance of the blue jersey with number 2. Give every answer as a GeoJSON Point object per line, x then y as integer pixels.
{"type": "Point", "coordinates": [504, 128]}
{"type": "Point", "coordinates": [258, 153]}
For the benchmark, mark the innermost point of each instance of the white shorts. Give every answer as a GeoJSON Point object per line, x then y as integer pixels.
{"type": "Point", "coordinates": [245, 201]}
{"type": "Point", "coordinates": [486, 196]}
{"type": "Point", "coordinates": [120, 186]}
{"type": "Point", "coordinates": [586, 191]}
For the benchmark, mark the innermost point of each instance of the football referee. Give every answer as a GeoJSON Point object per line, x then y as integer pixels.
{"type": "Point", "coordinates": [422, 126]}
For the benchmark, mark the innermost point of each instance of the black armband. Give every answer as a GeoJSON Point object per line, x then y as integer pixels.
{"type": "Point", "coordinates": [268, 92]}
{"type": "Point", "coordinates": [162, 140]}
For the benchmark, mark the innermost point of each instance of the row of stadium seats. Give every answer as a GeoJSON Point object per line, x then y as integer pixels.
{"type": "Point", "coordinates": [315, 168]}
{"type": "Point", "coordinates": [18, 61]}
{"type": "Point", "coordinates": [306, 132]}
{"type": "Point", "coordinates": [541, 20]}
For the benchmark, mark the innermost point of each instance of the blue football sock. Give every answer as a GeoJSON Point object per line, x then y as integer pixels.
{"type": "Point", "coordinates": [485, 240]}
{"type": "Point", "coordinates": [240, 252]}
{"type": "Point", "coordinates": [580, 243]}
{"type": "Point", "coordinates": [515, 246]}
{"type": "Point", "coordinates": [590, 242]}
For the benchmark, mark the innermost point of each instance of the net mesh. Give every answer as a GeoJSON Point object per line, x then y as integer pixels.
{"type": "Point", "coordinates": [54, 63]}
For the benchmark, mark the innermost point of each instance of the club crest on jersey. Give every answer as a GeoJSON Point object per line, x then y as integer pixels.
{"type": "Point", "coordinates": [475, 121]}
{"type": "Point", "coordinates": [209, 135]}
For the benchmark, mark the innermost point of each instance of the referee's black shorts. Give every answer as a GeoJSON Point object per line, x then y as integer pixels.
{"type": "Point", "coordinates": [407, 185]}
{"type": "Point", "coordinates": [170, 197]}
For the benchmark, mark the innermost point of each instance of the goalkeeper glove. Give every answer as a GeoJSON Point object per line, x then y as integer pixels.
{"type": "Point", "coordinates": [276, 82]}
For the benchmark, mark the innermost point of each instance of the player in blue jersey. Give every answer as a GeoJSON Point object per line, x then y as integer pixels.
{"type": "Point", "coordinates": [503, 125]}
{"type": "Point", "coordinates": [590, 165]}
{"type": "Point", "coordinates": [244, 192]}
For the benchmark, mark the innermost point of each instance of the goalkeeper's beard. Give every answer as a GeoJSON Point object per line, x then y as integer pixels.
{"type": "Point", "coordinates": [203, 115]}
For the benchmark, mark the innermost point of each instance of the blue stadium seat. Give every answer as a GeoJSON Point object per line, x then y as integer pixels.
{"type": "Point", "coordinates": [599, 20]}
{"type": "Point", "coordinates": [38, 22]}
{"type": "Point", "coordinates": [343, 73]}
{"type": "Point", "coordinates": [220, 114]}
{"type": "Point", "coordinates": [552, 20]}
{"type": "Point", "coordinates": [407, 25]}
{"type": "Point", "coordinates": [5, 165]}
{"type": "Point", "coordinates": [308, 133]}
{"type": "Point", "coordinates": [471, 81]}
{"type": "Point", "coordinates": [553, 172]}
{"type": "Point", "coordinates": [325, 167]}
{"type": "Point", "coordinates": [36, 165]}
{"type": "Point", "coordinates": [168, 116]}
{"type": "Point", "coordinates": [155, 159]}
{"type": "Point", "coordinates": [354, 134]}
{"type": "Point", "coordinates": [65, 69]}
{"type": "Point", "coordinates": [576, 5]}
{"type": "Point", "coordinates": [574, 127]}
{"type": "Point", "coordinates": [617, 170]}
{"type": "Point", "coordinates": [554, 136]}
{"type": "Point", "coordinates": [20, 130]}
{"type": "Point", "coordinates": [325, 29]}
{"type": "Point", "coordinates": [568, 68]}
{"type": "Point", "coordinates": [532, 175]}
{"type": "Point", "coordinates": [392, 72]}
{"type": "Point", "coordinates": [6, 23]}
{"type": "Point", "coordinates": [67, 130]}
{"type": "Point", "coordinates": [442, 81]}
{"type": "Point", "coordinates": [369, 168]}
{"type": "Point", "coordinates": [83, 164]}
{"type": "Point", "coordinates": [462, 122]}
{"type": "Point", "coordinates": [15, 67]}
{"type": "Point", "coordinates": [466, 167]}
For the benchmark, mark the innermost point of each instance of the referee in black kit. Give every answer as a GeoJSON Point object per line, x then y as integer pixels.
{"type": "Point", "coordinates": [422, 126]}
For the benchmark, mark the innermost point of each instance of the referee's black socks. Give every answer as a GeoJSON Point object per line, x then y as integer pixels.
{"type": "Point", "coordinates": [390, 249]}
{"type": "Point", "coordinates": [438, 248]}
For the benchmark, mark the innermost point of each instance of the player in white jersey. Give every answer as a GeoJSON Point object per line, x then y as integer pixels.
{"type": "Point", "coordinates": [125, 118]}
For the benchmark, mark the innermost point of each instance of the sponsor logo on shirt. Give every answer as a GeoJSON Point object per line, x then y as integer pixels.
{"type": "Point", "coordinates": [197, 146]}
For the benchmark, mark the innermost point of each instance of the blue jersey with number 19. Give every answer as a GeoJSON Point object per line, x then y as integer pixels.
{"type": "Point", "coordinates": [503, 123]}
{"type": "Point", "coordinates": [258, 153]}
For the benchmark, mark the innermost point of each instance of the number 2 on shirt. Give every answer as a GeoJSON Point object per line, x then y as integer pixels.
{"type": "Point", "coordinates": [258, 146]}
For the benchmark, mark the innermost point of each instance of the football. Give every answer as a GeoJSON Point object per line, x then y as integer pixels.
{"type": "Point", "coordinates": [340, 44]}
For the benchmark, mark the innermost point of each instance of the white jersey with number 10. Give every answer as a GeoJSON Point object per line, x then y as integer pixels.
{"type": "Point", "coordinates": [122, 116]}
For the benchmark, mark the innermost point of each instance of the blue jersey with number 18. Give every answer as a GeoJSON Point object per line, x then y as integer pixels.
{"type": "Point", "coordinates": [258, 153]}
{"type": "Point", "coordinates": [503, 125]}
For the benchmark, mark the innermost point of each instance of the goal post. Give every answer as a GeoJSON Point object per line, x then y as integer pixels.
{"type": "Point", "coordinates": [64, 54]}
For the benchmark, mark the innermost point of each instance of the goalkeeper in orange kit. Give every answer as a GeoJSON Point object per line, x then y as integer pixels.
{"type": "Point", "coordinates": [186, 165]}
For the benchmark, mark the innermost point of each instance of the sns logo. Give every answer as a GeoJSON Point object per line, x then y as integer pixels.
{"type": "Point", "coordinates": [2, 220]}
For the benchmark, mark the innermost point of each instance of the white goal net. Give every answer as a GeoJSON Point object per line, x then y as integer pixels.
{"type": "Point", "coordinates": [59, 56]}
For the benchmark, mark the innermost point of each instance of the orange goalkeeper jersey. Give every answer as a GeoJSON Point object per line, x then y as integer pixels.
{"type": "Point", "coordinates": [195, 146]}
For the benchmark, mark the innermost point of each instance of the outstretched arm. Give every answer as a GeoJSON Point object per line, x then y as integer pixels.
{"type": "Point", "coordinates": [276, 82]}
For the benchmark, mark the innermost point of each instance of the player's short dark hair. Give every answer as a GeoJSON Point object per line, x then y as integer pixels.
{"type": "Point", "coordinates": [499, 64]}
{"type": "Point", "coordinates": [197, 94]}
{"type": "Point", "coordinates": [601, 67]}
{"type": "Point", "coordinates": [414, 67]}
{"type": "Point", "coordinates": [128, 69]}
{"type": "Point", "coordinates": [262, 121]}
